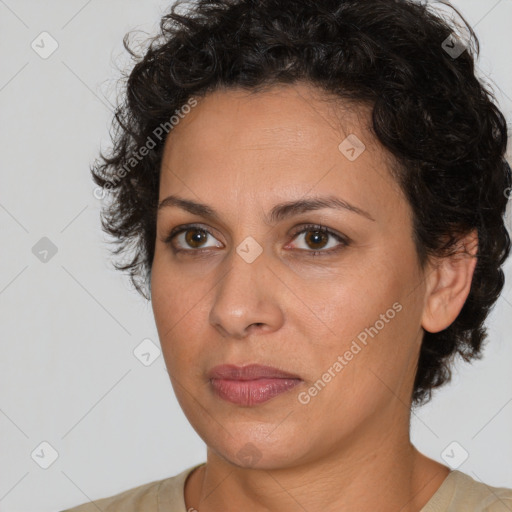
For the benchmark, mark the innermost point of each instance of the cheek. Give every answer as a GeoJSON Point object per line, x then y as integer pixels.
{"type": "Point", "coordinates": [175, 306]}
{"type": "Point", "coordinates": [181, 308]}
{"type": "Point", "coordinates": [343, 304]}
{"type": "Point", "coordinates": [367, 315]}
{"type": "Point", "coordinates": [362, 366]}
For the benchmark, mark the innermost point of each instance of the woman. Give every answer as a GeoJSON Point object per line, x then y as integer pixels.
{"type": "Point", "coordinates": [316, 193]}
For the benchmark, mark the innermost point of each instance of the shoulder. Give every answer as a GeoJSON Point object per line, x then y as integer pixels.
{"type": "Point", "coordinates": [492, 499]}
{"type": "Point", "coordinates": [147, 497]}
{"type": "Point", "coordinates": [143, 497]}
{"type": "Point", "coordinates": [461, 492]}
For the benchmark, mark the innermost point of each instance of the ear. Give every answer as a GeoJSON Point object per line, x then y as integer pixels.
{"type": "Point", "coordinates": [448, 284]}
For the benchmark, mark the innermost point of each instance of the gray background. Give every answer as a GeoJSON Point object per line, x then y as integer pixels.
{"type": "Point", "coordinates": [69, 325]}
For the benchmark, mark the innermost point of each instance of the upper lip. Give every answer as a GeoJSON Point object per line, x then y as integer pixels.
{"type": "Point", "coordinates": [248, 372]}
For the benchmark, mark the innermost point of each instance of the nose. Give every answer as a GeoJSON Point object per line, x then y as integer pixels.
{"type": "Point", "coordinates": [247, 299]}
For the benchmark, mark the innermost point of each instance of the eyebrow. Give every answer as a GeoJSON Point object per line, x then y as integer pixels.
{"type": "Point", "coordinates": [278, 213]}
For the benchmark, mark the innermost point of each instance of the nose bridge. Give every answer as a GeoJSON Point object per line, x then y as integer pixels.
{"type": "Point", "coordinates": [243, 297]}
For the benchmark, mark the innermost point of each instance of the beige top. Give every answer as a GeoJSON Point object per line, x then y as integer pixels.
{"type": "Point", "coordinates": [458, 493]}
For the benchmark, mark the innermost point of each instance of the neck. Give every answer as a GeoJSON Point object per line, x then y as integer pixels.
{"type": "Point", "coordinates": [377, 469]}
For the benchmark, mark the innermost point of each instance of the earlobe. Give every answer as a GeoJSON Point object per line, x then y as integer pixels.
{"type": "Point", "coordinates": [448, 285]}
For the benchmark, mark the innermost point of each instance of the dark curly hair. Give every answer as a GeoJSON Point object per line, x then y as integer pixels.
{"type": "Point", "coordinates": [439, 122]}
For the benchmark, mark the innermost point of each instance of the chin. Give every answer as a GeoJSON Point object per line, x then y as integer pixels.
{"type": "Point", "coordinates": [255, 448]}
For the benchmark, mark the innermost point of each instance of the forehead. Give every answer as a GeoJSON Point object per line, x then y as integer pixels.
{"type": "Point", "coordinates": [287, 140]}
{"type": "Point", "coordinates": [297, 114]}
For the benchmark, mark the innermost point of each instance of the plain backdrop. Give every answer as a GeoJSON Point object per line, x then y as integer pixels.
{"type": "Point", "coordinates": [70, 324]}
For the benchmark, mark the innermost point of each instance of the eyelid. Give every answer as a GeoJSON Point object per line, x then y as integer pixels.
{"type": "Point", "coordinates": [319, 227]}
{"type": "Point", "coordinates": [184, 227]}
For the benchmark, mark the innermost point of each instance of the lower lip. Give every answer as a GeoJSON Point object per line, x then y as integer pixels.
{"type": "Point", "coordinates": [251, 392]}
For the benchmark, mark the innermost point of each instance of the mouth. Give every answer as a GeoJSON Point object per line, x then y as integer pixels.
{"type": "Point", "coordinates": [252, 384]}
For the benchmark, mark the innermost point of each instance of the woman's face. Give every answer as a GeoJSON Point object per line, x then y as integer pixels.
{"type": "Point", "coordinates": [346, 321]}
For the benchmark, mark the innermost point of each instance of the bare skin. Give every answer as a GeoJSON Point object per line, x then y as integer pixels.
{"type": "Point", "coordinates": [347, 447]}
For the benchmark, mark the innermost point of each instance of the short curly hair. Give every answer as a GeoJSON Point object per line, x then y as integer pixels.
{"type": "Point", "coordinates": [438, 121]}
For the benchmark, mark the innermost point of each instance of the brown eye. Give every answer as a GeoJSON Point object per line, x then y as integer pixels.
{"type": "Point", "coordinates": [195, 237]}
{"type": "Point", "coordinates": [320, 240]}
{"type": "Point", "coordinates": [316, 239]}
{"type": "Point", "coordinates": [190, 238]}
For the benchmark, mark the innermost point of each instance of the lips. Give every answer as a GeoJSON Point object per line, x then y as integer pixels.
{"type": "Point", "coordinates": [250, 385]}
{"type": "Point", "coordinates": [249, 372]}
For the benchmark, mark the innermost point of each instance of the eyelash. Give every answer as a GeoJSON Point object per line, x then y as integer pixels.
{"type": "Point", "coordinates": [344, 241]}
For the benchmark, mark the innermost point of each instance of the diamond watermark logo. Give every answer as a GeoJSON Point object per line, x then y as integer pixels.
{"type": "Point", "coordinates": [147, 352]}
{"type": "Point", "coordinates": [249, 249]}
{"type": "Point", "coordinates": [44, 455]}
{"type": "Point", "coordinates": [352, 147]}
{"type": "Point", "coordinates": [44, 250]}
{"type": "Point", "coordinates": [249, 454]}
{"type": "Point", "coordinates": [44, 45]}
{"type": "Point", "coordinates": [453, 46]}
{"type": "Point", "coordinates": [454, 455]}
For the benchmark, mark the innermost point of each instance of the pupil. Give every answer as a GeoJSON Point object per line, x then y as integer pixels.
{"type": "Point", "coordinates": [317, 236]}
{"type": "Point", "coordinates": [195, 237]}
